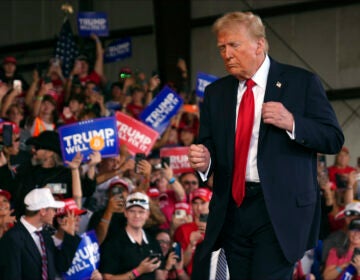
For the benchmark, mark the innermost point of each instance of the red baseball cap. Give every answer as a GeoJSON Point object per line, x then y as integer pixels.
{"type": "Point", "coordinates": [70, 205]}
{"type": "Point", "coordinates": [153, 192]}
{"type": "Point", "coordinates": [202, 193]}
{"type": "Point", "coordinates": [6, 194]}
{"type": "Point", "coordinates": [183, 206]}
{"type": "Point", "coordinates": [9, 59]}
{"type": "Point", "coordinates": [121, 182]}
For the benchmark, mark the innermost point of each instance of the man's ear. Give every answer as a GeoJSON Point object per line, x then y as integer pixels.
{"type": "Point", "coordinates": [260, 46]}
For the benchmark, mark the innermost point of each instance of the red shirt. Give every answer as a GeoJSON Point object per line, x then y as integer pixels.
{"type": "Point", "coordinates": [92, 77]}
{"type": "Point", "coordinates": [182, 235]}
{"type": "Point", "coordinates": [332, 170]}
{"type": "Point", "coordinates": [333, 259]}
{"type": "Point", "coordinates": [134, 110]}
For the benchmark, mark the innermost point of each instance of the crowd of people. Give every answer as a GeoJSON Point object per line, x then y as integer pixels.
{"type": "Point", "coordinates": [148, 221]}
{"type": "Point", "coordinates": [141, 207]}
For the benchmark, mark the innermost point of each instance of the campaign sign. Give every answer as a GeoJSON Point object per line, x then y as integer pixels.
{"type": "Point", "coordinates": [117, 50]}
{"type": "Point", "coordinates": [88, 136]}
{"type": "Point", "coordinates": [161, 109]}
{"type": "Point", "coordinates": [86, 259]}
{"type": "Point", "coordinates": [93, 22]}
{"type": "Point", "coordinates": [349, 273]}
{"type": "Point", "coordinates": [203, 80]}
{"type": "Point", "coordinates": [138, 137]}
{"type": "Point", "coordinates": [179, 161]}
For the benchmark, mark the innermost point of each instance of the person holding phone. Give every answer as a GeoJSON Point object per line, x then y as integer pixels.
{"type": "Point", "coordinates": [9, 72]}
{"type": "Point", "coordinates": [189, 235]}
{"type": "Point", "coordinates": [129, 254]}
{"type": "Point", "coordinates": [110, 220]}
{"type": "Point", "coordinates": [172, 252]}
{"type": "Point", "coordinates": [340, 171]}
{"type": "Point", "coordinates": [341, 258]}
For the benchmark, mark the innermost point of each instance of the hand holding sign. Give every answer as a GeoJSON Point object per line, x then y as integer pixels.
{"type": "Point", "coordinates": [87, 137]}
{"type": "Point", "coordinates": [76, 161]}
{"type": "Point", "coordinates": [95, 158]}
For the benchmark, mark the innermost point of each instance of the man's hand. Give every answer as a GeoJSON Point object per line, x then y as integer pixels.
{"type": "Point", "coordinates": [276, 114]}
{"type": "Point", "coordinates": [95, 158]}
{"type": "Point", "coordinates": [68, 223]}
{"type": "Point", "coordinates": [115, 204]}
{"type": "Point", "coordinates": [76, 161]}
{"type": "Point", "coordinates": [148, 265]}
{"type": "Point", "coordinates": [199, 157]}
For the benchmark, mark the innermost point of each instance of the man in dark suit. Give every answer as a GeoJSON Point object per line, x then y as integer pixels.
{"type": "Point", "coordinates": [27, 251]}
{"type": "Point", "coordinates": [264, 213]}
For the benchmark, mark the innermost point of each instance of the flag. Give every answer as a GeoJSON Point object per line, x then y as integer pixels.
{"type": "Point", "coordinates": [66, 49]}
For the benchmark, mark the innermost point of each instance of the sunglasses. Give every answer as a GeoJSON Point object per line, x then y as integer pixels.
{"type": "Point", "coordinates": [161, 241]}
{"type": "Point", "coordinates": [351, 213]}
{"type": "Point", "coordinates": [190, 182]}
{"type": "Point", "coordinates": [138, 201]}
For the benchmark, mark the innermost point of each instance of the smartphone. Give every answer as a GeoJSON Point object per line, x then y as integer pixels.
{"type": "Point", "coordinates": [355, 253]}
{"type": "Point", "coordinates": [177, 249]}
{"type": "Point", "coordinates": [7, 135]}
{"type": "Point", "coordinates": [17, 84]}
{"type": "Point", "coordinates": [57, 188]}
{"type": "Point", "coordinates": [203, 217]}
{"type": "Point", "coordinates": [358, 161]}
{"type": "Point", "coordinates": [341, 181]}
{"type": "Point", "coordinates": [165, 160]}
{"type": "Point", "coordinates": [322, 160]}
{"type": "Point", "coordinates": [138, 157]}
{"type": "Point", "coordinates": [154, 255]}
{"type": "Point", "coordinates": [180, 213]}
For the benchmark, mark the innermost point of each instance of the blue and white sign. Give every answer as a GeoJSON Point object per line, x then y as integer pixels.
{"type": "Point", "coordinates": [162, 108]}
{"type": "Point", "coordinates": [203, 80]}
{"type": "Point", "coordinates": [117, 50]}
{"type": "Point", "coordinates": [93, 22]}
{"type": "Point", "coordinates": [87, 258]}
{"type": "Point", "coordinates": [88, 136]}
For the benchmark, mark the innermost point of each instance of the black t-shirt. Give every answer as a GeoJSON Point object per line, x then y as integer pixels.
{"type": "Point", "coordinates": [116, 226]}
{"type": "Point", "coordinates": [119, 255]}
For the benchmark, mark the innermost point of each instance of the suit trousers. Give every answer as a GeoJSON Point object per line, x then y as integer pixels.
{"type": "Point", "coordinates": [248, 238]}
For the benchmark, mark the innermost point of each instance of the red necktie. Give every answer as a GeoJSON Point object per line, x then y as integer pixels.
{"type": "Point", "coordinates": [44, 272]}
{"type": "Point", "coordinates": [245, 122]}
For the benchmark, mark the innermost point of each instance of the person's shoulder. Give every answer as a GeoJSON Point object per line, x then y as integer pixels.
{"type": "Point", "coordinates": [187, 227]}
{"type": "Point", "coordinates": [226, 80]}
{"type": "Point", "coordinates": [289, 69]}
{"type": "Point", "coordinates": [14, 233]}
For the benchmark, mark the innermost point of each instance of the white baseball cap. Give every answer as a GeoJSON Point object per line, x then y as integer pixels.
{"type": "Point", "coordinates": [137, 199]}
{"type": "Point", "coordinates": [41, 198]}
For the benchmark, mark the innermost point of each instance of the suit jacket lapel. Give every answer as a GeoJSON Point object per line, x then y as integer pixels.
{"type": "Point", "coordinates": [30, 245]}
{"type": "Point", "coordinates": [230, 109]}
{"type": "Point", "coordinates": [274, 88]}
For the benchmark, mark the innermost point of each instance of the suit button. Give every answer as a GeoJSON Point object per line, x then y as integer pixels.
{"type": "Point", "coordinates": [302, 141]}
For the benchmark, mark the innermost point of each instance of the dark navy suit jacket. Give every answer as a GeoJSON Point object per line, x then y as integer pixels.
{"type": "Point", "coordinates": [20, 257]}
{"type": "Point", "coordinates": [287, 168]}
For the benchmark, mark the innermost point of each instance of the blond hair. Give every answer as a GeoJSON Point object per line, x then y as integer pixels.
{"type": "Point", "coordinates": [252, 22]}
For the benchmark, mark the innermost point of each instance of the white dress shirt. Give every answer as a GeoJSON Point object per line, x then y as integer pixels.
{"type": "Point", "coordinates": [213, 265]}
{"type": "Point", "coordinates": [260, 78]}
{"type": "Point", "coordinates": [31, 229]}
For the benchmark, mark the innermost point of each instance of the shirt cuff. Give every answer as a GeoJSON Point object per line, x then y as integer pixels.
{"type": "Point", "coordinates": [203, 175]}
{"type": "Point", "coordinates": [292, 134]}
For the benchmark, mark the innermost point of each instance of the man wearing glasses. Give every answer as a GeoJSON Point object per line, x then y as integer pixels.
{"type": "Point", "coordinates": [190, 182]}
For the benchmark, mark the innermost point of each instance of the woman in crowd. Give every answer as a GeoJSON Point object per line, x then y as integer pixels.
{"type": "Point", "coordinates": [346, 258]}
